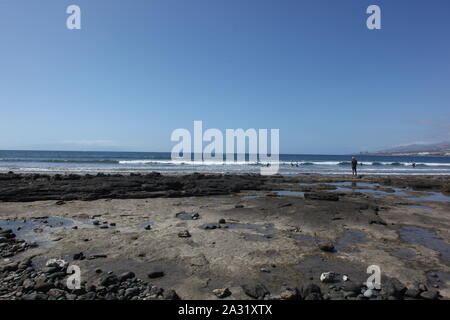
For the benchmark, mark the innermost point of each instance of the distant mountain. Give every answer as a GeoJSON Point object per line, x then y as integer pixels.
{"type": "Point", "coordinates": [432, 149]}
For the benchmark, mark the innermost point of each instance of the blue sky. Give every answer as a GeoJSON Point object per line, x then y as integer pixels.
{"type": "Point", "coordinates": [139, 69]}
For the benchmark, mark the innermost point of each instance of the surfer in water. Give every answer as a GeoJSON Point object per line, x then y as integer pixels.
{"type": "Point", "coordinates": [354, 166]}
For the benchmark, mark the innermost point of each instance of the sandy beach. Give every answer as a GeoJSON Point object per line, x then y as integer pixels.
{"type": "Point", "coordinates": [224, 236]}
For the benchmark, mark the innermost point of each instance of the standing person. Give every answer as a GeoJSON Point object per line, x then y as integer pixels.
{"type": "Point", "coordinates": [354, 166]}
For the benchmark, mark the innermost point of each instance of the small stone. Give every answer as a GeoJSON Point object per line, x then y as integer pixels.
{"type": "Point", "coordinates": [412, 293]}
{"type": "Point", "coordinates": [265, 269]}
{"type": "Point", "coordinates": [126, 275]}
{"type": "Point", "coordinates": [57, 263]}
{"type": "Point", "coordinates": [289, 294]}
{"type": "Point", "coordinates": [131, 292]}
{"type": "Point", "coordinates": [43, 286]}
{"type": "Point", "coordinates": [327, 247]}
{"type": "Point", "coordinates": [148, 227]}
{"type": "Point", "coordinates": [430, 295]}
{"type": "Point", "coordinates": [313, 296]}
{"type": "Point", "coordinates": [328, 277]}
{"type": "Point", "coordinates": [156, 274]}
{"type": "Point", "coordinates": [222, 221]}
{"type": "Point", "coordinates": [184, 234]}
{"type": "Point", "coordinates": [109, 280]}
{"type": "Point", "coordinates": [171, 295]}
{"type": "Point", "coordinates": [222, 293]}
{"type": "Point", "coordinates": [79, 256]}
{"type": "Point", "coordinates": [368, 293]}
{"type": "Point", "coordinates": [256, 291]}
{"type": "Point", "coordinates": [422, 287]}
{"type": "Point", "coordinates": [351, 286]}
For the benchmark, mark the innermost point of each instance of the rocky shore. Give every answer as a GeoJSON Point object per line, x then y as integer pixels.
{"type": "Point", "coordinates": [223, 237]}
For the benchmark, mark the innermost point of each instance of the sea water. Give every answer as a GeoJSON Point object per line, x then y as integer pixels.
{"type": "Point", "coordinates": [129, 162]}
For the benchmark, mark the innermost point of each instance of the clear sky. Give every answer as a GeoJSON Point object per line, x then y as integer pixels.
{"type": "Point", "coordinates": [139, 69]}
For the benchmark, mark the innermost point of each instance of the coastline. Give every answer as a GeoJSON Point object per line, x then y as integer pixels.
{"type": "Point", "coordinates": [259, 237]}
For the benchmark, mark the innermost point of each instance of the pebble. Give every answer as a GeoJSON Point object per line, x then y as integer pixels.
{"type": "Point", "coordinates": [327, 277]}
{"type": "Point", "coordinates": [184, 234]}
{"type": "Point", "coordinates": [156, 274]}
{"type": "Point", "coordinates": [222, 293]}
{"type": "Point", "coordinates": [327, 247]}
{"type": "Point", "coordinates": [368, 293]}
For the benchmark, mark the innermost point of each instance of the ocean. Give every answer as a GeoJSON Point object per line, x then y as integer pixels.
{"type": "Point", "coordinates": [289, 164]}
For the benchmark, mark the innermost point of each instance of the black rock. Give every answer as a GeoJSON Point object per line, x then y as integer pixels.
{"type": "Point", "coordinates": [210, 226]}
{"type": "Point", "coordinates": [126, 275]}
{"type": "Point", "coordinates": [222, 221]}
{"type": "Point", "coordinates": [43, 286]}
{"type": "Point", "coordinates": [156, 291]}
{"type": "Point", "coordinates": [109, 280]}
{"type": "Point", "coordinates": [131, 292]}
{"type": "Point", "coordinates": [306, 290]}
{"type": "Point", "coordinates": [156, 274]}
{"type": "Point", "coordinates": [393, 287]}
{"type": "Point", "coordinates": [430, 295]}
{"type": "Point", "coordinates": [171, 295]}
{"type": "Point", "coordinates": [35, 296]}
{"type": "Point", "coordinates": [79, 256]}
{"type": "Point", "coordinates": [256, 291]}
{"type": "Point", "coordinates": [412, 293]}
{"type": "Point", "coordinates": [351, 286]}
{"type": "Point", "coordinates": [327, 247]}
{"type": "Point", "coordinates": [313, 296]}
{"type": "Point", "coordinates": [184, 234]}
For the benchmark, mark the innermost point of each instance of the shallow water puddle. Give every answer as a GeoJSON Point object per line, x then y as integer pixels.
{"type": "Point", "coordinates": [266, 229]}
{"type": "Point", "coordinates": [252, 197]}
{"type": "Point", "coordinates": [417, 207]}
{"type": "Point", "coordinates": [432, 196]}
{"type": "Point", "coordinates": [289, 193]}
{"type": "Point", "coordinates": [145, 224]}
{"type": "Point", "coordinates": [426, 238]}
{"type": "Point", "coordinates": [257, 237]}
{"type": "Point", "coordinates": [307, 240]}
{"type": "Point", "coordinates": [185, 216]}
{"type": "Point", "coordinates": [362, 187]}
{"type": "Point", "coordinates": [349, 239]}
{"type": "Point", "coordinates": [42, 230]}
{"type": "Point", "coordinates": [404, 253]}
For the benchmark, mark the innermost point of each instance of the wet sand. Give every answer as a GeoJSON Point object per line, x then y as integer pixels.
{"type": "Point", "coordinates": [199, 233]}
